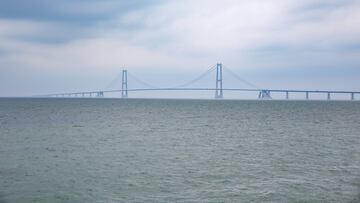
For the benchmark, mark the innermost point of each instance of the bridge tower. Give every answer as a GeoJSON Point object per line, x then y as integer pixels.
{"type": "Point", "coordinates": [124, 85]}
{"type": "Point", "coordinates": [219, 82]}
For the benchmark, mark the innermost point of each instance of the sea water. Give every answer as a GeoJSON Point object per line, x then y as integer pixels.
{"type": "Point", "coordinates": [137, 150]}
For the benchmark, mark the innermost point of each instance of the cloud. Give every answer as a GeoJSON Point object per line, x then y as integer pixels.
{"type": "Point", "coordinates": [206, 26]}
{"type": "Point", "coordinates": [99, 37]}
{"type": "Point", "coordinates": [239, 31]}
{"type": "Point", "coordinates": [79, 12]}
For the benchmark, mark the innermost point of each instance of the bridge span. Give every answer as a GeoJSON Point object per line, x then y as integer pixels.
{"type": "Point", "coordinates": [264, 94]}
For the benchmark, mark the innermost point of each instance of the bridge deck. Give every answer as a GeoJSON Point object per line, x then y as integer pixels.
{"type": "Point", "coordinates": [101, 92]}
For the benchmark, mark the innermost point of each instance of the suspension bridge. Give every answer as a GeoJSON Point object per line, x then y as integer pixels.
{"type": "Point", "coordinates": [218, 89]}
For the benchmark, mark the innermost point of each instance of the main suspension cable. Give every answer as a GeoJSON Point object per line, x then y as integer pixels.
{"type": "Point", "coordinates": [197, 78]}
{"type": "Point", "coordinates": [141, 81]}
{"type": "Point", "coordinates": [236, 76]}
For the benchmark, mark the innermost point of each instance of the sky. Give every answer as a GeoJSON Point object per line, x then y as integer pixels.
{"type": "Point", "coordinates": [80, 45]}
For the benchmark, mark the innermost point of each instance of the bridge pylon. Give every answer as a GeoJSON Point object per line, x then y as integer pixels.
{"type": "Point", "coordinates": [124, 85]}
{"type": "Point", "coordinates": [219, 82]}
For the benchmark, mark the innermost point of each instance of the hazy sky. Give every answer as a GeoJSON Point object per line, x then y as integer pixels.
{"type": "Point", "coordinates": [71, 45]}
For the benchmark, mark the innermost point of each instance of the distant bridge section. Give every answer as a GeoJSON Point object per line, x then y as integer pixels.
{"type": "Point", "coordinates": [263, 94]}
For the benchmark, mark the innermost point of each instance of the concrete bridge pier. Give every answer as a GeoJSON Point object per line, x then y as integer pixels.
{"type": "Point", "coordinates": [100, 94]}
{"type": "Point", "coordinates": [265, 94]}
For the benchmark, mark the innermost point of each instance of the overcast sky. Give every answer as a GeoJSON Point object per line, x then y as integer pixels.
{"type": "Point", "coordinates": [73, 45]}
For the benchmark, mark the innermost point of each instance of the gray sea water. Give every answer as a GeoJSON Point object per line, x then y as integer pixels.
{"type": "Point", "coordinates": [112, 150]}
